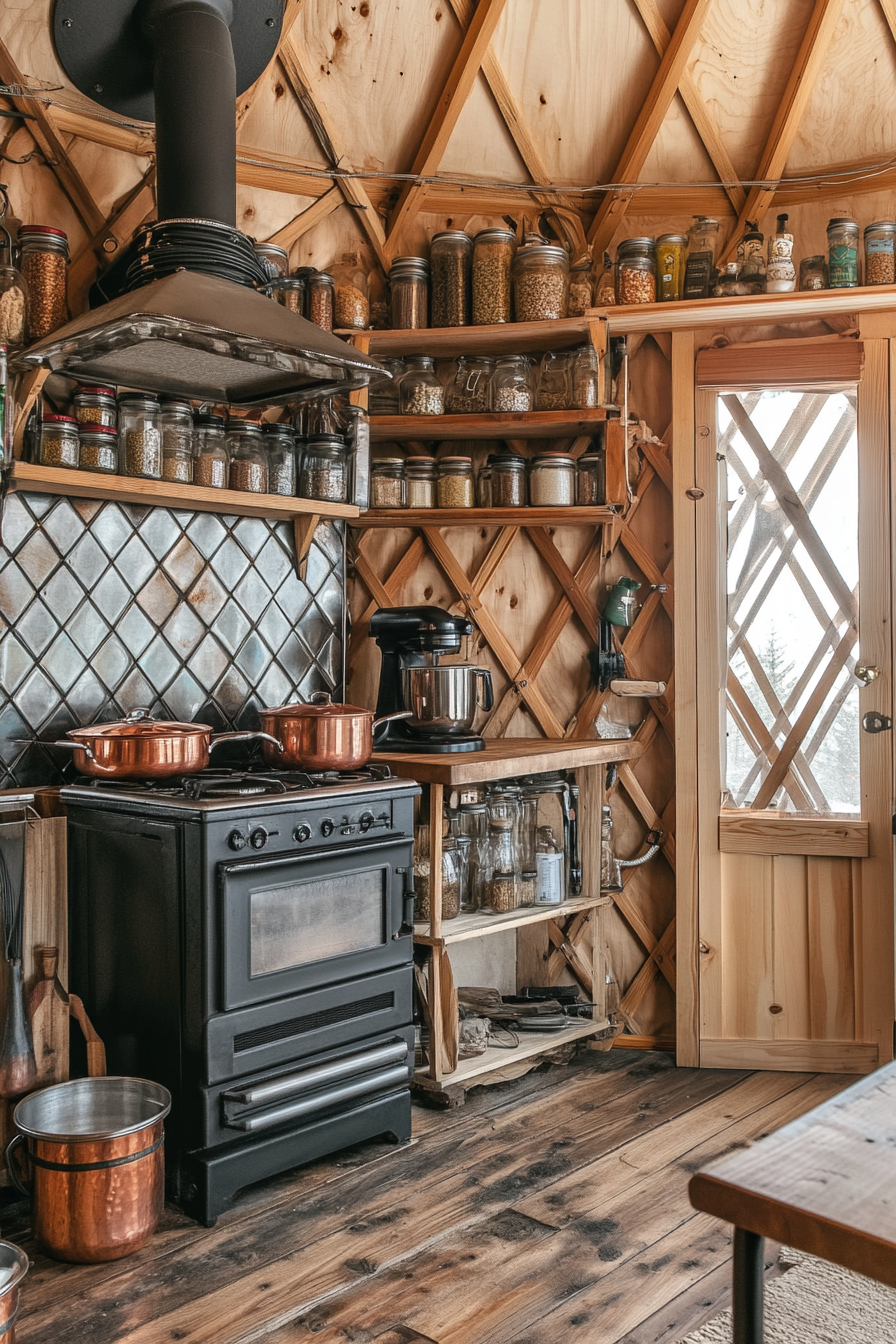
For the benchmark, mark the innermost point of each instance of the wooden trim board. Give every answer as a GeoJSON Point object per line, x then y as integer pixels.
{"type": "Point", "coordinates": [508, 756]}
{"type": "Point", "coordinates": [772, 833]}
{"type": "Point", "coordinates": [799, 1056]}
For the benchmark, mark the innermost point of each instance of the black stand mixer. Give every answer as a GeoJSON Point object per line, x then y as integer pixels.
{"type": "Point", "coordinates": [442, 698]}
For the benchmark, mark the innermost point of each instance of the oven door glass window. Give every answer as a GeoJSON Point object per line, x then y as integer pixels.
{"type": "Point", "coordinates": [315, 919]}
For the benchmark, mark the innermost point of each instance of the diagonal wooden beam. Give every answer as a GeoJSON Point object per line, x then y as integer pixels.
{"type": "Point", "coordinates": [650, 119]}
{"type": "Point", "coordinates": [306, 220]}
{"type": "Point", "coordinates": [136, 206]}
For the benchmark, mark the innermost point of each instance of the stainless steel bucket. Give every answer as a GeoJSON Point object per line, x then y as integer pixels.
{"type": "Point", "coordinates": [444, 699]}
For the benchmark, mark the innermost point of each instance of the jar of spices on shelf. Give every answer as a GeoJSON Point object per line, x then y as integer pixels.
{"type": "Point", "coordinates": [423, 877]}
{"type": "Point", "coordinates": [319, 291]}
{"type": "Point", "coordinates": [13, 298]}
{"type": "Point", "coordinates": [98, 448]}
{"type": "Point", "coordinates": [324, 473]}
{"type": "Point", "coordinates": [605, 289]}
{"type": "Point", "coordinates": [636, 271]}
{"type": "Point", "coordinates": [843, 253]}
{"type": "Point", "coordinates": [880, 262]}
{"type": "Point", "coordinates": [420, 482]}
{"type": "Point", "coordinates": [508, 490]}
{"type": "Point", "coordinates": [454, 488]}
{"type": "Point", "coordinates": [586, 380]}
{"type": "Point", "coordinates": [540, 282]}
{"type": "Point", "coordinates": [351, 307]}
{"type": "Point", "coordinates": [280, 449]}
{"type": "Point", "coordinates": [248, 460]}
{"type": "Point", "coordinates": [44, 262]}
{"type": "Point", "coordinates": [384, 398]}
{"type": "Point", "coordinates": [450, 258]}
{"type": "Point", "coordinates": [95, 406]}
{"type": "Point", "coordinates": [671, 255]}
{"type": "Point", "coordinates": [468, 394]}
{"type": "Point", "coordinates": [387, 483]}
{"type": "Point", "coordinates": [813, 273]}
{"type": "Point", "coordinates": [580, 294]}
{"type": "Point", "coordinates": [554, 391]}
{"type": "Point", "coordinates": [591, 477]}
{"type": "Point", "coordinates": [409, 283]}
{"type": "Point", "coordinates": [703, 237]}
{"type": "Point", "coordinates": [552, 481]}
{"type": "Point", "coordinates": [59, 441]}
{"type": "Point", "coordinates": [510, 390]}
{"type": "Point", "coordinates": [420, 391]}
{"type": "Point", "coordinates": [493, 253]}
{"type": "Point", "coordinates": [177, 441]}
{"type": "Point", "coordinates": [140, 436]}
{"type": "Point", "coordinates": [210, 461]}
{"type": "Point", "coordinates": [290, 293]}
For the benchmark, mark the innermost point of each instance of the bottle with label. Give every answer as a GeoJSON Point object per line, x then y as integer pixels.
{"type": "Point", "coordinates": [550, 883]}
{"type": "Point", "coordinates": [703, 236]}
{"type": "Point", "coordinates": [752, 271]}
{"type": "Point", "coordinates": [781, 278]}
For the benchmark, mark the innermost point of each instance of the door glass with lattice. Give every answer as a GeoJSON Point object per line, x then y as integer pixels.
{"type": "Point", "coordinates": [792, 741]}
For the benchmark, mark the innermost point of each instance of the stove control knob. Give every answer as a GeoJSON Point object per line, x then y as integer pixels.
{"type": "Point", "coordinates": [366, 820]}
{"type": "Point", "coordinates": [236, 840]}
{"type": "Point", "coordinates": [326, 827]}
{"type": "Point", "coordinates": [259, 838]}
{"type": "Point", "coordinates": [302, 833]}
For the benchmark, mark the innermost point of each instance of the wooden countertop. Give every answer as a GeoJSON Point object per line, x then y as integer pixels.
{"type": "Point", "coordinates": [507, 756]}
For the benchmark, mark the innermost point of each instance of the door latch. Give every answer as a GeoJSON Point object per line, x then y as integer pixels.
{"type": "Point", "coordinates": [872, 722]}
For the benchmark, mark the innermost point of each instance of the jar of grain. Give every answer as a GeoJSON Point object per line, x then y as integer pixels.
{"type": "Point", "coordinates": [274, 260]}
{"type": "Point", "coordinates": [605, 289]}
{"type": "Point", "coordinates": [98, 448]}
{"type": "Point", "coordinates": [387, 483]}
{"type": "Point", "coordinates": [44, 262]}
{"type": "Point", "coordinates": [554, 388]}
{"type": "Point", "coordinates": [813, 273]}
{"type": "Point", "coordinates": [455, 483]}
{"type": "Point", "coordinates": [95, 406]}
{"type": "Point", "coordinates": [351, 306]}
{"type": "Point", "coordinates": [880, 265]}
{"type": "Point", "coordinates": [671, 257]}
{"type": "Point", "coordinates": [423, 877]}
{"type": "Point", "coordinates": [210, 461]}
{"type": "Point", "coordinates": [177, 441]}
{"type": "Point", "coordinates": [636, 271]}
{"type": "Point", "coordinates": [13, 304]}
{"type": "Point", "coordinates": [450, 257]}
{"type": "Point", "coordinates": [59, 441]}
{"type": "Point", "coordinates": [502, 888]}
{"type": "Point", "coordinates": [540, 282]}
{"type": "Point", "coordinates": [508, 482]}
{"type": "Point", "coordinates": [591, 478]}
{"type": "Point", "coordinates": [843, 254]}
{"type": "Point", "coordinates": [320, 291]}
{"type": "Point", "coordinates": [580, 296]}
{"type": "Point", "coordinates": [552, 481]}
{"type": "Point", "coordinates": [420, 473]}
{"type": "Point", "coordinates": [420, 391]}
{"type": "Point", "coordinates": [248, 459]}
{"type": "Point", "coordinates": [409, 283]}
{"type": "Point", "coordinates": [290, 293]}
{"type": "Point", "coordinates": [140, 436]}
{"type": "Point", "coordinates": [468, 393]}
{"type": "Point", "coordinates": [324, 473]}
{"type": "Point", "coordinates": [586, 380]}
{"type": "Point", "coordinates": [279, 443]}
{"type": "Point", "coordinates": [493, 253]}
{"type": "Point", "coordinates": [384, 398]}
{"type": "Point", "coordinates": [510, 389]}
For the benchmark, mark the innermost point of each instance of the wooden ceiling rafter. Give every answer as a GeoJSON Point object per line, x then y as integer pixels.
{"type": "Point", "coordinates": [137, 206]}
{"type": "Point", "coordinates": [308, 218]}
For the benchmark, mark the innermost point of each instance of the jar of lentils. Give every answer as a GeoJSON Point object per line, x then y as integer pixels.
{"type": "Point", "coordinates": [290, 292]}
{"type": "Point", "coordinates": [468, 394]}
{"type": "Point", "coordinates": [98, 448]}
{"type": "Point", "coordinates": [280, 449]}
{"type": "Point", "coordinates": [510, 389]}
{"type": "Point", "coordinates": [508, 482]}
{"type": "Point", "coordinates": [95, 406]}
{"type": "Point", "coordinates": [320, 292]}
{"type": "Point", "coordinates": [324, 473]}
{"type": "Point", "coordinates": [636, 271]}
{"type": "Point", "coordinates": [44, 261]}
{"type": "Point", "coordinates": [420, 392]}
{"type": "Point", "coordinates": [540, 282]}
{"type": "Point", "coordinates": [493, 253]}
{"type": "Point", "coordinates": [387, 483]}
{"type": "Point", "coordinates": [580, 292]}
{"type": "Point", "coordinates": [210, 461]}
{"type": "Point", "coordinates": [177, 441]}
{"type": "Point", "coordinates": [552, 481]}
{"type": "Point", "coordinates": [59, 441]}
{"type": "Point", "coordinates": [843, 254]}
{"type": "Point", "coordinates": [140, 436]}
{"type": "Point", "coordinates": [880, 262]}
{"type": "Point", "coordinates": [450, 257]}
{"type": "Point", "coordinates": [409, 283]}
{"type": "Point", "coordinates": [591, 478]}
{"type": "Point", "coordinates": [420, 473]}
{"type": "Point", "coordinates": [455, 483]}
{"type": "Point", "coordinates": [248, 460]}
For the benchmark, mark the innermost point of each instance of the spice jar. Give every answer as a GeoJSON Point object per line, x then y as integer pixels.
{"type": "Point", "coordinates": [455, 483]}
{"type": "Point", "coordinates": [210, 461]}
{"type": "Point", "coordinates": [384, 399]}
{"type": "Point", "coordinates": [552, 480]}
{"type": "Point", "coordinates": [13, 302]}
{"type": "Point", "coordinates": [420, 482]}
{"type": "Point", "coordinates": [605, 290]}
{"type": "Point", "coordinates": [450, 256]}
{"type": "Point", "coordinates": [579, 288]}
{"type": "Point", "coordinates": [280, 448]}
{"type": "Point", "coordinates": [553, 392]}
{"type": "Point", "coordinates": [324, 469]}
{"type": "Point", "coordinates": [636, 271]}
{"type": "Point", "coordinates": [880, 265]}
{"type": "Point", "coordinates": [508, 482]}
{"type": "Point", "coordinates": [468, 393]}
{"type": "Point", "coordinates": [98, 448]}
{"type": "Point", "coordinates": [591, 478]}
{"type": "Point", "coordinates": [44, 261]}
{"type": "Point", "coordinates": [409, 283]}
{"type": "Point", "coordinates": [420, 391]}
{"type": "Point", "coordinates": [351, 308]}
{"type": "Point", "coordinates": [319, 297]}
{"type": "Point", "coordinates": [387, 483]}
{"type": "Point", "coordinates": [177, 441]}
{"type": "Point", "coordinates": [540, 282]}
{"type": "Point", "coordinates": [813, 273]}
{"type": "Point", "coordinates": [510, 389]}
{"type": "Point", "coordinates": [493, 252]}
{"type": "Point", "coordinates": [843, 254]}
{"type": "Point", "coordinates": [586, 390]}
{"type": "Point", "coordinates": [290, 293]}
{"type": "Point", "coordinates": [95, 406]}
{"type": "Point", "coordinates": [671, 254]}
{"type": "Point", "coordinates": [140, 436]}
{"type": "Point", "coordinates": [59, 441]}
{"type": "Point", "coordinates": [248, 460]}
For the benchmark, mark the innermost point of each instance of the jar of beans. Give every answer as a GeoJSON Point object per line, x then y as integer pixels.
{"type": "Point", "coordinates": [351, 296]}
{"type": "Point", "coordinates": [13, 300]}
{"type": "Point", "coordinates": [140, 435]}
{"type": "Point", "coordinates": [44, 261]}
{"type": "Point", "coordinates": [274, 260]}
{"type": "Point", "coordinates": [290, 292]}
{"type": "Point", "coordinates": [409, 283]}
{"type": "Point", "coordinates": [320, 299]}
{"type": "Point", "coordinates": [580, 290]}
{"type": "Point", "coordinates": [387, 483]}
{"type": "Point", "coordinates": [455, 483]}
{"type": "Point", "coordinates": [98, 448]}
{"type": "Point", "coordinates": [843, 253]}
{"type": "Point", "coordinates": [493, 253]}
{"type": "Point", "coordinates": [880, 262]}
{"type": "Point", "coordinates": [586, 380]}
{"type": "Point", "coordinates": [210, 462]}
{"type": "Point", "coordinates": [248, 460]}
{"type": "Point", "coordinates": [177, 441]}
{"type": "Point", "coordinates": [508, 482]}
{"type": "Point", "coordinates": [324, 473]}
{"type": "Point", "coordinates": [510, 389]}
{"type": "Point", "coordinates": [59, 441]}
{"type": "Point", "coordinates": [552, 481]}
{"type": "Point", "coordinates": [636, 271]}
{"type": "Point", "coordinates": [468, 394]}
{"type": "Point", "coordinates": [384, 396]}
{"type": "Point", "coordinates": [591, 478]}
{"type": "Point", "coordinates": [280, 449]}
{"type": "Point", "coordinates": [450, 258]}
{"type": "Point", "coordinates": [540, 282]}
{"type": "Point", "coordinates": [421, 392]}
{"type": "Point", "coordinates": [553, 392]}
{"type": "Point", "coordinates": [95, 406]}
{"type": "Point", "coordinates": [420, 473]}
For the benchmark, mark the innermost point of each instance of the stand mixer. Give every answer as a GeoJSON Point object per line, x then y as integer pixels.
{"type": "Point", "coordinates": [442, 699]}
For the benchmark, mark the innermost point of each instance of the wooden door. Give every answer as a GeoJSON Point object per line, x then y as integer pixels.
{"type": "Point", "coordinates": [793, 623]}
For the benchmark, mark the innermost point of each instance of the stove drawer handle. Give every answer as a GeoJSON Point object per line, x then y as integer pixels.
{"type": "Point", "coordinates": [334, 1096]}
{"type": "Point", "coordinates": [262, 1094]}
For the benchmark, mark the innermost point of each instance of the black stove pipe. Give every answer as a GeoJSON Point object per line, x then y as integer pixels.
{"type": "Point", "coordinates": [195, 104]}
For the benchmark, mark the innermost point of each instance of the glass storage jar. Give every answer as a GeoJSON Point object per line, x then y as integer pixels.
{"type": "Point", "coordinates": [420, 482]}
{"type": "Point", "coordinates": [210, 461]}
{"type": "Point", "coordinates": [13, 300]}
{"type": "Point", "coordinates": [510, 389]}
{"type": "Point", "coordinates": [552, 481]}
{"type": "Point", "coordinates": [177, 441]}
{"type": "Point", "coordinates": [423, 877]}
{"type": "Point", "coordinates": [95, 406]}
{"type": "Point", "coordinates": [580, 293]}
{"type": "Point", "coordinates": [384, 399]}
{"type": "Point", "coordinates": [140, 436]}
{"type": "Point", "coordinates": [880, 260]}
{"type": "Point", "coordinates": [473, 825]}
{"type": "Point", "coordinates": [289, 293]}
{"type": "Point", "coordinates": [540, 282]}
{"type": "Point", "coordinates": [586, 380]}
{"type": "Point", "coordinates": [455, 483]}
{"type": "Point", "coordinates": [843, 253]}
{"type": "Point", "coordinates": [591, 478]}
{"type": "Point", "coordinates": [528, 867]}
{"type": "Point", "coordinates": [450, 258]}
{"type": "Point", "coordinates": [605, 289]}
{"type": "Point", "coordinates": [671, 255]}
{"type": "Point", "coordinates": [387, 483]}
{"type": "Point", "coordinates": [508, 482]}
{"type": "Point", "coordinates": [59, 441]}
{"type": "Point", "coordinates": [636, 271]}
{"type": "Point", "coordinates": [468, 393]}
{"type": "Point", "coordinates": [44, 254]}
{"type": "Point", "coordinates": [319, 297]}
{"type": "Point", "coordinates": [280, 449]}
{"type": "Point", "coordinates": [351, 305]}
{"type": "Point", "coordinates": [409, 283]}
{"type": "Point", "coordinates": [324, 469]}
{"type": "Point", "coordinates": [357, 439]}
{"type": "Point", "coordinates": [554, 389]}
{"type": "Point", "coordinates": [248, 461]}
{"type": "Point", "coordinates": [421, 392]}
{"type": "Point", "coordinates": [493, 253]}
{"type": "Point", "coordinates": [484, 483]}
{"type": "Point", "coordinates": [813, 273]}
{"type": "Point", "coordinates": [98, 448]}
{"type": "Point", "coordinates": [274, 260]}
{"type": "Point", "coordinates": [703, 236]}
{"type": "Point", "coordinates": [550, 886]}
{"type": "Point", "coordinates": [502, 891]}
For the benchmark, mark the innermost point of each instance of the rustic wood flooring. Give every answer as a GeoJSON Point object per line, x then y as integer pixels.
{"type": "Point", "coordinates": [553, 1208]}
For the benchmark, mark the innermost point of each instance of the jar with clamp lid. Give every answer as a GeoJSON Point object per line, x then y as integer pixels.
{"type": "Point", "coordinates": [454, 487]}
{"type": "Point", "coordinates": [387, 483]}
{"type": "Point", "coordinates": [177, 441]}
{"type": "Point", "coordinates": [510, 390]}
{"type": "Point", "coordinates": [210, 461]}
{"type": "Point", "coordinates": [420, 391]}
{"type": "Point", "coordinates": [44, 253]}
{"type": "Point", "coordinates": [280, 447]}
{"type": "Point", "coordinates": [420, 482]}
{"type": "Point", "coordinates": [95, 406]}
{"type": "Point", "coordinates": [140, 436]}
{"type": "Point", "coordinates": [540, 282]}
{"type": "Point", "coordinates": [98, 448]}
{"type": "Point", "coordinates": [843, 253]}
{"type": "Point", "coordinates": [450, 258]}
{"type": "Point", "coordinates": [59, 441]}
{"type": "Point", "coordinates": [493, 253]}
{"type": "Point", "coordinates": [409, 284]}
{"type": "Point", "coordinates": [636, 271]}
{"type": "Point", "coordinates": [468, 394]}
{"type": "Point", "coordinates": [248, 461]}
{"type": "Point", "coordinates": [324, 473]}
{"type": "Point", "coordinates": [554, 390]}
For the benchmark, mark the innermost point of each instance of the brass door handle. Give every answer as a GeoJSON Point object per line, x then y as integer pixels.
{"type": "Point", "coordinates": [867, 673]}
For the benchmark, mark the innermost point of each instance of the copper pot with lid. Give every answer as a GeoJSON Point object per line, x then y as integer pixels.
{"type": "Point", "coordinates": [320, 735]}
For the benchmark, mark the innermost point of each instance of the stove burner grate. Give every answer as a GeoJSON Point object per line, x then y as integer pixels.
{"type": "Point", "coordinates": [239, 783]}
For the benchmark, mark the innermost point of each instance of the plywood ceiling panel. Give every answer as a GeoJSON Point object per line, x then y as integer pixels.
{"type": "Point", "coordinates": [275, 121]}
{"type": "Point", "coordinates": [678, 153]}
{"type": "Point", "coordinates": [481, 124]}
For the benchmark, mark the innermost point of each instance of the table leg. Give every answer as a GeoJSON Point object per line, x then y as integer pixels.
{"type": "Point", "coordinates": [748, 1286]}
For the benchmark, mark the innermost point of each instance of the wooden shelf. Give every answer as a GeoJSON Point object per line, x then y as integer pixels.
{"type": "Point", "coordinates": [132, 490]}
{"type": "Point", "coordinates": [531, 1043]}
{"type": "Point", "coordinates": [475, 925]}
{"type": "Point", "coordinates": [519, 425]}
{"type": "Point", "coordinates": [529, 517]}
{"type": "Point", "coordinates": [514, 338]}
{"type": "Point", "coordinates": [507, 757]}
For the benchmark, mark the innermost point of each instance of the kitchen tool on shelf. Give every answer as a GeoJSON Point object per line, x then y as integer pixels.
{"type": "Point", "coordinates": [320, 735]}
{"type": "Point", "coordinates": [141, 747]}
{"type": "Point", "coordinates": [49, 1009]}
{"type": "Point", "coordinates": [18, 1069]}
{"type": "Point", "coordinates": [14, 1265]}
{"type": "Point", "coordinates": [611, 866]}
{"type": "Point", "coordinates": [607, 661]}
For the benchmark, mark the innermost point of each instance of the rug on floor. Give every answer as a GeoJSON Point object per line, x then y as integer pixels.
{"type": "Point", "coordinates": [816, 1302]}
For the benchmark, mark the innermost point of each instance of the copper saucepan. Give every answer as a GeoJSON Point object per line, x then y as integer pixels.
{"type": "Point", "coordinates": [320, 735]}
{"type": "Point", "coordinates": [141, 747]}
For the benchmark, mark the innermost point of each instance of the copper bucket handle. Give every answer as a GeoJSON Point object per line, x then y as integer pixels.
{"type": "Point", "coordinates": [14, 1143]}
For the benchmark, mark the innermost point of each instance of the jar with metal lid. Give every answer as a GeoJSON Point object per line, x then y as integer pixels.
{"type": "Point", "coordinates": [450, 257]}
{"type": "Point", "coordinates": [580, 291]}
{"type": "Point", "coordinates": [59, 441]}
{"type": "Point", "coordinates": [472, 820]}
{"type": "Point", "coordinates": [210, 461]}
{"type": "Point", "coordinates": [502, 888]}
{"type": "Point", "coordinates": [813, 273]}
{"type": "Point", "coordinates": [140, 436]}
{"type": "Point", "coordinates": [290, 293]}
{"type": "Point", "coordinates": [320, 291]}
{"type": "Point", "coordinates": [280, 447]}
{"type": "Point", "coordinates": [586, 379]}
{"type": "Point", "coordinates": [351, 308]}
{"type": "Point", "coordinates": [484, 483]}
{"type": "Point", "coordinates": [98, 448]}
{"type": "Point", "coordinates": [552, 481]}
{"type": "Point", "coordinates": [95, 406]}
{"type": "Point", "coordinates": [455, 483]}
{"type": "Point", "coordinates": [554, 390]}
{"type": "Point", "coordinates": [13, 298]}
{"type": "Point", "coordinates": [387, 483]}
{"type": "Point", "coordinates": [177, 441]}
{"type": "Point", "coordinates": [44, 254]}
{"type": "Point", "coordinates": [591, 478]}
{"type": "Point", "coordinates": [409, 283]}
{"type": "Point", "coordinates": [324, 473]}
{"type": "Point", "coordinates": [420, 482]}
{"type": "Point", "coordinates": [423, 877]}
{"type": "Point", "coordinates": [384, 398]}
{"type": "Point", "coordinates": [468, 394]}
{"type": "Point", "coordinates": [880, 259]}
{"type": "Point", "coordinates": [274, 259]}
{"type": "Point", "coordinates": [248, 459]}
{"type": "Point", "coordinates": [420, 391]}
{"type": "Point", "coordinates": [510, 389]}
{"type": "Point", "coordinates": [540, 282]}
{"type": "Point", "coordinates": [508, 482]}
{"type": "Point", "coordinates": [636, 271]}
{"type": "Point", "coordinates": [493, 253]}
{"type": "Point", "coordinates": [843, 253]}
{"type": "Point", "coordinates": [671, 256]}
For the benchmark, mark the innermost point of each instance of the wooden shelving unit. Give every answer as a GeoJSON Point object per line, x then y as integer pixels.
{"type": "Point", "coordinates": [531, 1044]}
{"type": "Point", "coordinates": [514, 338]}
{"type": "Point", "coordinates": [507, 756]}
{"type": "Point", "coordinates": [528, 517]}
{"type": "Point", "coordinates": [474, 925]}
{"type": "Point", "coordinates": [519, 425]}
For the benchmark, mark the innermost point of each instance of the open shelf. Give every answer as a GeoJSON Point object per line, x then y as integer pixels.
{"type": "Point", "coordinates": [518, 425]}
{"type": "Point", "coordinates": [514, 338]}
{"type": "Point", "coordinates": [475, 925]}
{"type": "Point", "coordinates": [506, 757]}
{"type": "Point", "coordinates": [531, 1043]}
{"type": "Point", "coordinates": [528, 517]}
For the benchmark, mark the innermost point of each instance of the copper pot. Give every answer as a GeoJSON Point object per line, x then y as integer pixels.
{"type": "Point", "coordinates": [320, 735]}
{"type": "Point", "coordinates": [95, 1147]}
{"type": "Point", "coordinates": [141, 747]}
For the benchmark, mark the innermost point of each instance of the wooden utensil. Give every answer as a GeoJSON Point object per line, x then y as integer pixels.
{"type": "Point", "coordinates": [48, 1009]}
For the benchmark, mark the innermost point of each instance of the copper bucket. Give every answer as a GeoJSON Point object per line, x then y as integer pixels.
{"type": "Point", "coordinates": [98, 1165]}
{"type": "Point", "coordinates": [13, 1268]}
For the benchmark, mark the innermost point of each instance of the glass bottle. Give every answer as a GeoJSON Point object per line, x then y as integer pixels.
{"type": "Point", "coordinates": [351, 306]}
{"type": "Point", "coordinates": [552, 481]}
{"type": "Point", "coordinates": [319, 295]}
{"type": "Point", "coordinates": [591, 478]}
{"type": "Point", "coordinates": [95, 406]}
{"type": "Point", "coordinates": [140, 436]}
{"type": "Point", "coordinates": [528, 865]}
{"type": "Point", "coordinates": [384, 398]}
{"type": "Point", "coordinates": [586, 379]}
{"type": "Point", "coordinates": [387, 483]}
{"type": "Point", "coordinates": [508, 482]}
{"type": "Point", "coordinates": [550, 881]}
{"type": "Point", "coordinates": [636, 271]}
{"type": "Point", "coordinates": [409, 284]}
{"type": "Point", "coordinates": [468, 394]}
{"type": "Point", "coordinates": [540, 283]}
{"type": "Point", "coordinates": [421, 392]}
{"type": "Point", "coordinates": [280, 447]}
{"type": "Point", "coordinates": [580, 294]}
{"type": "Point", "coordinates": [210, 461]}
{"type": "Point", "coordinates": [358, 440]}
{"type": "Point", "coordinates": [502, 892]}
{"type": "Point", "coordinates": [13, 299]}
{"type": "Point", "coordinates": [454, 487]}
{"type": "Point", "coordinates": [44, 254]}
{"type": "Point", "coordinates": [248, 462]}
{"type": "Point", "coordinates": [463, 845]}
{"type": "Point", "coordinates": [177, 441]}
{"type": "Point", "coordinates": [98, 448]}
{"type": "Point", "coordinates": [510, 389]}
{"type": "Point", "coordinates": [420, 482]}
{"type": "Point", "coordinates": [553, 391]}
{"type": "Point", "coordinates": [484, 483]}
{"type": "Point", "coordinates": [610, 875]}
{"type": "Point", "coordinates": [58, 441]}
{"type": "Point", "coordinates": [450, 260]}
{"type": "Point", "coordinates": [702, 242]}
{"type": "Point", "coordinates": [493, 253]}
{"type": "Point", "coordinates": [473, 826]}
{"type": "Point", "coordinates": [605, 289]}
{"type": "Point", "coordinates": [813, 273]}
{"type": "Point", "coordinates": [671, 254]}
{"type": "Point", "coordinates": [843, 253]}
{"type": "Point", "coordinates": [880, 260]}
{"type": "Point", "coordinates": [781, 274]}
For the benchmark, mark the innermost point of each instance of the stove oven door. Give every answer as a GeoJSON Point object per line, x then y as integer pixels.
{"type": "Point", "coordinates": [304, 920]}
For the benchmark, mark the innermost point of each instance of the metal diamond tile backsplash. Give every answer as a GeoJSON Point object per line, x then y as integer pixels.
{"type": "Point", "coordinates": [105, 606]}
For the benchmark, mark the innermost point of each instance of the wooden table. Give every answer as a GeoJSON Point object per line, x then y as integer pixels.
{"type": "Point", "coordinates": [825, 1184]}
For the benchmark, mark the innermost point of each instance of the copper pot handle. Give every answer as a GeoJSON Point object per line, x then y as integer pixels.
{"type": "Point", "coordinates": [390, 718]}
{"type": "Point", "coordinates": [244, 737]}
{"type": "Point", "coordinates": [88, 752]}
{"type": "Point", "coordinates": [14, 1176]}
